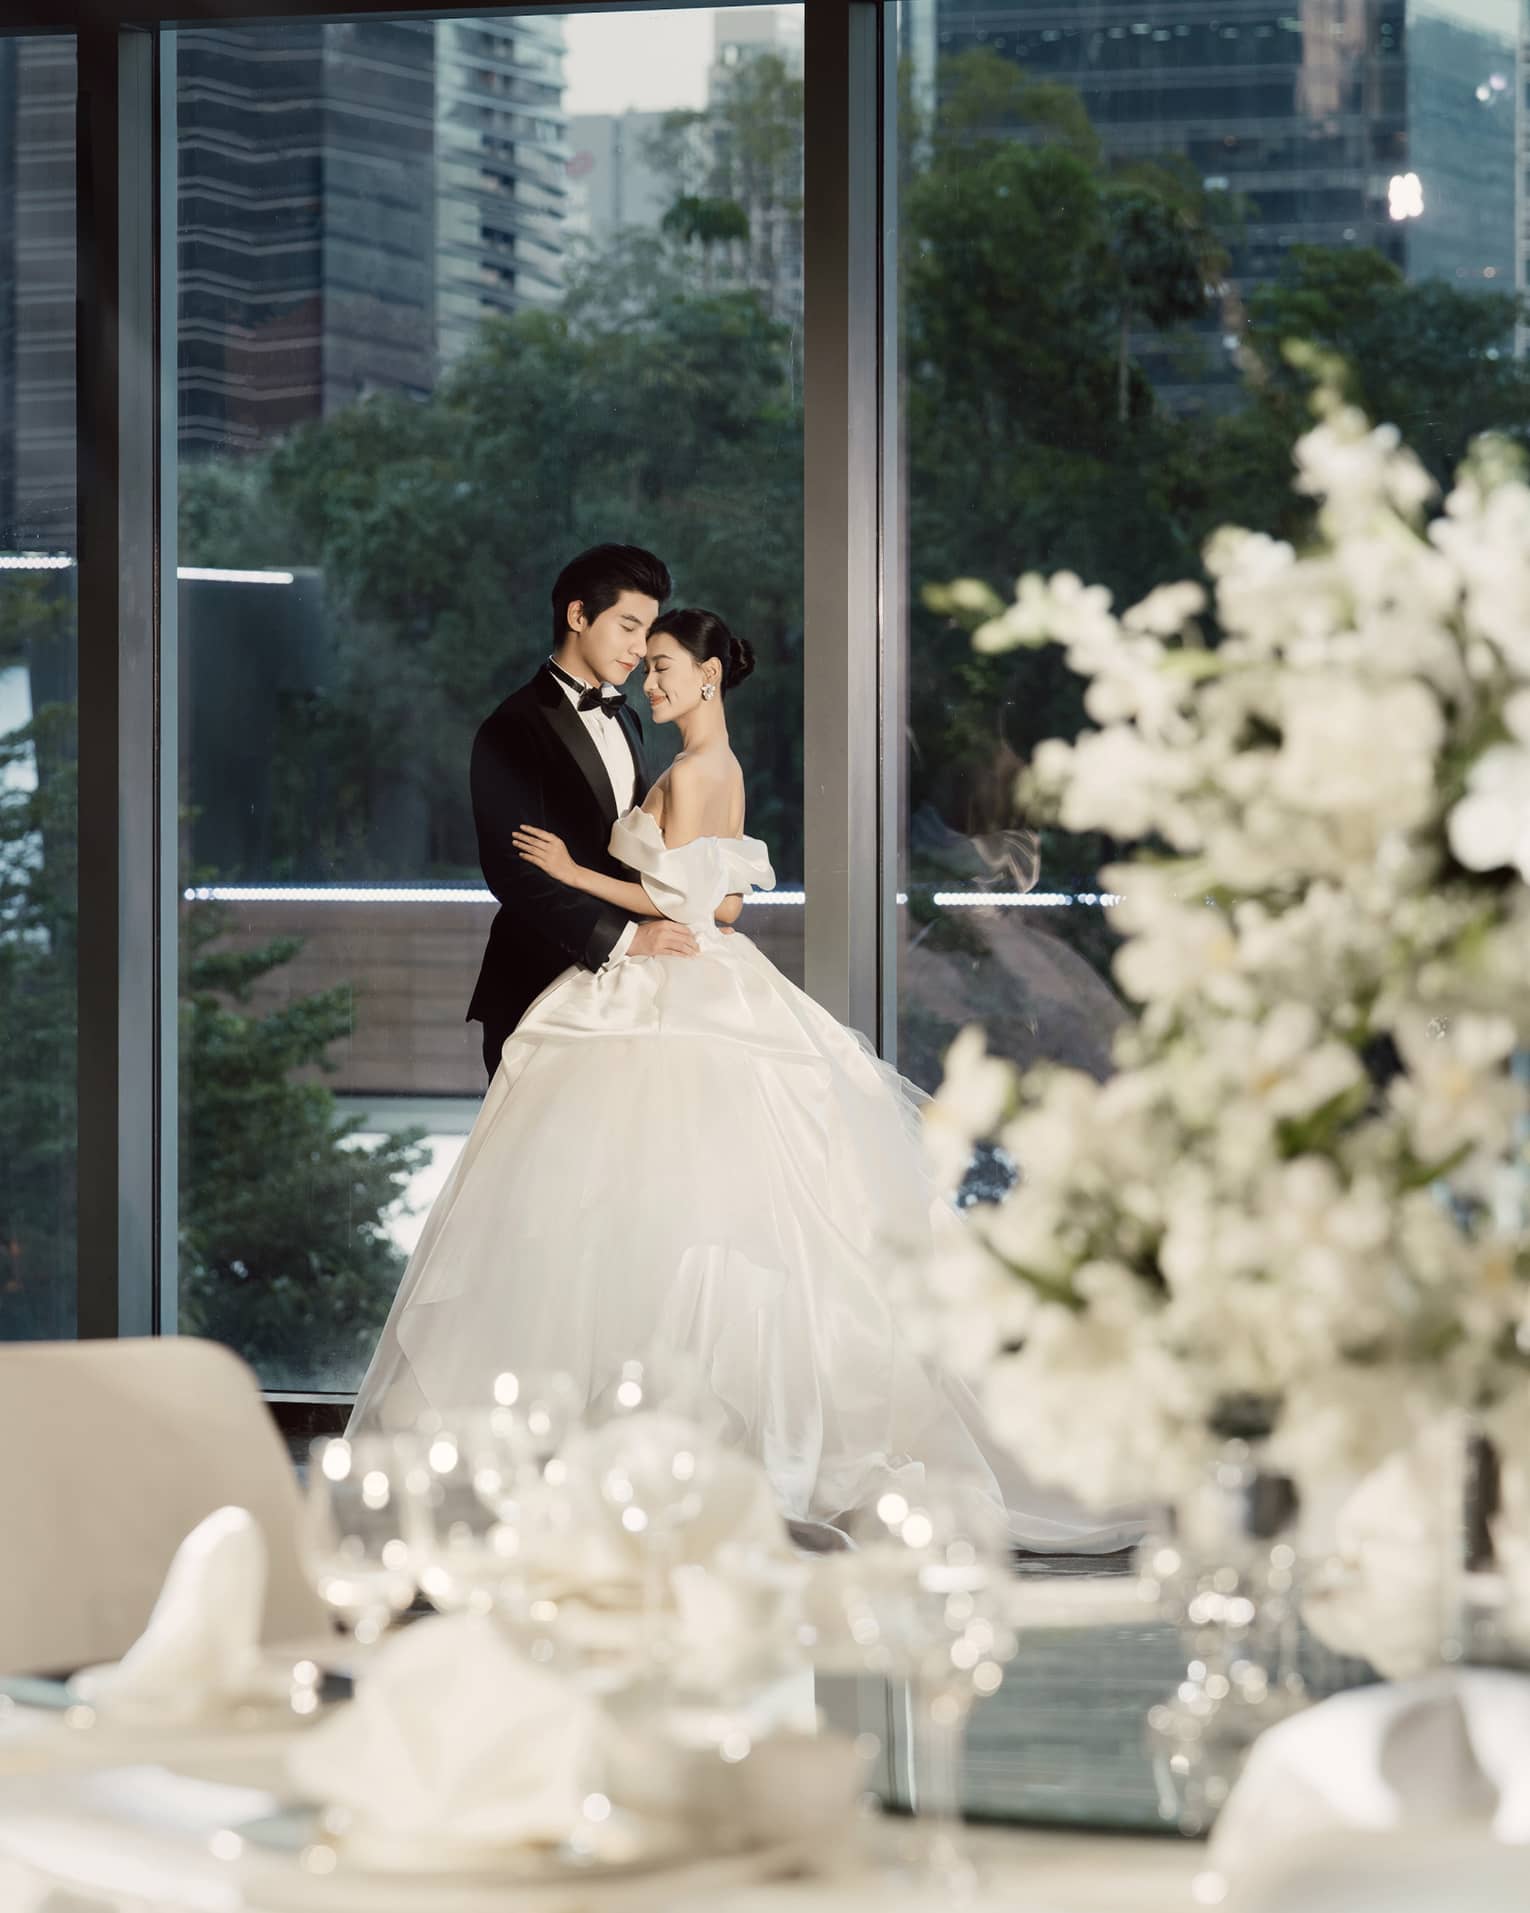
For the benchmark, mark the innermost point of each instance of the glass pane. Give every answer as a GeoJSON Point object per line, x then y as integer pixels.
{"type": "Point", "coordinates": [1110, 218]}
{"type": "Point", "coordinates": [37, 689]}
{"type": "Point", "coordinates": [457, 299]}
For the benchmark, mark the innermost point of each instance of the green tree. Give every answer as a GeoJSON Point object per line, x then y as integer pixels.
{"type": "Point", "coordinates": [708, 222]}
{"type": "Point", "coordinates": [1036, 278]}
{"type": "Point", "coordinates": [285, 1254]}
{"type": "Point", "coordinates": [734, 172]}
{"type": "Point", "coordinates": [229, 515]}
{"type": "Point", "coordinates": [1156, 271]}
{"type": "Point", "coordinates": [642, 409]}
{"type": "Point", "coordinates": [1433, 360]}
{"type": "Point", "coordinates": [1030, 271]}
{"type": "Point", "coordinates": [38, 944]}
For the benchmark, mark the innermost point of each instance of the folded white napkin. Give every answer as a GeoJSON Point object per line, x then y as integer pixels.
{"type": "Point", "coordinates": [200, 1650]}
{"type": "Point", "coordinates": [453, 1742]}
{"type": "Point", "coordinates": [1447, 1750]}
{"type": "Point", "coordinates": [457, 1751]}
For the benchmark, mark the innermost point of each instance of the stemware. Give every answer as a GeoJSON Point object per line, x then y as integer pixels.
{"type": "Point", "coordinates": [462, 1517]}
{"type": "Point", "coordinates": [925, 1598]}
{"type": "Point", "coordinates": [352, 1534]}
{"type": "Point", "coordinates": [533, 1416]}
{"type": "Point", "coordinates": [473, 1491]}
{"type": "Point", "coordinates": [654, 1471]}
{"type": "Point", "coordinates": [1226, 1578]}
{"type": "Point", "coordinates": [604, 1523]}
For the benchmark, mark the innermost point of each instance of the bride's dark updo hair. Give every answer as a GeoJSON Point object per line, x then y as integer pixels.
{"type": "Point", "coordinates": [704, 635]}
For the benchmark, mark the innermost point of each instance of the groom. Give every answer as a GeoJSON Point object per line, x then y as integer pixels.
{"type": "Point", "coordinates": [565, 753]}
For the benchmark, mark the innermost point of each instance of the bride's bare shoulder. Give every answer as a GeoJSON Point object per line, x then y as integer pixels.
{"type": "Point", "coordinates": [701, 770]}
{"type": "Point", "coordinates": [699, 796]}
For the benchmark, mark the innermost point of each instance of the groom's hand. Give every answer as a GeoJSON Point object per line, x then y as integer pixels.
{"type": "Point", "coordinates": [660, 937]}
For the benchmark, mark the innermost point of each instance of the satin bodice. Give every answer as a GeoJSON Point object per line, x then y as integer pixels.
{"type": "Point", "coordinates": [688, 883]}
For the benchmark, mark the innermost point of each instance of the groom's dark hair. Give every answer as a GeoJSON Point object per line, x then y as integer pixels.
{"type": "Point", "coordinates": [599, 576]}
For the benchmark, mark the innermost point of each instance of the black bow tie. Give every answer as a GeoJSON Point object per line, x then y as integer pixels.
{"type": "Point", "coordinates": [598, 697]}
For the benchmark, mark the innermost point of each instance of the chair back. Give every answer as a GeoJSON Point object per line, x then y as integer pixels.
{"type": "Point", "coordinates": [110, 1454]}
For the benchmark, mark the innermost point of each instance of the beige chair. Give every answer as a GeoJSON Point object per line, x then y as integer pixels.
{"type": "Point", "coordinates": [110, 1453]}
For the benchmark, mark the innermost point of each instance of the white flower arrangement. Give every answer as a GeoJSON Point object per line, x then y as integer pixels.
{"type": "Point", "coordinates": [1305, 1181]}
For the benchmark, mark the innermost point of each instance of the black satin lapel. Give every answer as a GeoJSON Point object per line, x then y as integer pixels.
{"type": "Point", "coordinates": [632, 726]}
{"type": "Point", "coordinates": [569, 726]}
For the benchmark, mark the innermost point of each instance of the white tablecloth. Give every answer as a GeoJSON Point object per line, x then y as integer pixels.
{"type": "Point", "coordinates": [143, 1838]}
{"type": "Point", "coordinates": [140, 1837]}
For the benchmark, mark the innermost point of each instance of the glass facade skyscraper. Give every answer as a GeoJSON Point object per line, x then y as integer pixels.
{"type": "Point", "coordinates": [37, 291]}
{"type": "Point", "coordinates": [355, 199]}
{"type": "Point", "coordinates": [1383, 123]}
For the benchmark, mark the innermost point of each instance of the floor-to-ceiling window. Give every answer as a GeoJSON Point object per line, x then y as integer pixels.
{"type": "Point", "coordinates": [37, 688]}
{"type": "Point", "coordinates": [455, 299]}
{"type": "Point", "coordinates": [1111, 217]}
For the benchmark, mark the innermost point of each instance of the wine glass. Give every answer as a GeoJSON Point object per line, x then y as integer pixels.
{"type": "Point", "coordinates": [925, 1597]}
{"type": "Point", "coordinates": [352, 1535]}
{"type": "Point", "coordinates": [654, 1470]}
{"type": "Point", "coordinates": [462, 1516]}
{"type": "Point", "coordinates": [603, 1524]}
{"type": "Point", "coordinates": [532, 1417]}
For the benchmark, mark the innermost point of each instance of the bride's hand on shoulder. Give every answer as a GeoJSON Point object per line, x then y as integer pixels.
{"type": "Point", "coordinates": [549, 853]}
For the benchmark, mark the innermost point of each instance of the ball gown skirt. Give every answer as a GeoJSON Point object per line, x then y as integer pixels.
{"type": "Point", "coordinates": [689, 1156]}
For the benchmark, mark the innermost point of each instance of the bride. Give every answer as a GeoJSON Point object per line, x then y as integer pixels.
{"type": "Point", "coordinates": [686, 1155]}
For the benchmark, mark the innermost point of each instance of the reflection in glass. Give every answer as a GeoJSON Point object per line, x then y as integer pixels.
{"type": "Point", "coordinates": [444, 320]}
{"type": "Point", "coordinates": [1110, 220]}
{"type": "Point", "coordinates": [38, 684]}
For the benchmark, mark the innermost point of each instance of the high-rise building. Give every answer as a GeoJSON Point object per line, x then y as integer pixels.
{"type": "Point", "coordinates": [742, 151]}
{"type": "Point", "coordinates": [307, 223]}
{"type": "Point", "coordinates": [1383, 123]}
{"type": "Point", "coordinates": [739, 33]}
{"type": "Point", "coordinates": [37, 291]}
{"type": "Point", "coordinates": [756, 60]}
{"type": "Point", "coordinates": [501, 172]}
{"type": "Point", "coordinates": [613, 183]}
{"type": "Point", "coordinates": [355, 199]}
{"type": "Point", "coordinates": [1466, 104]}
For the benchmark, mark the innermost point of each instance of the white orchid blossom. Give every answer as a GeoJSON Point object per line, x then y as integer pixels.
{"type": "Point", "coordinates": [1307, 1180]}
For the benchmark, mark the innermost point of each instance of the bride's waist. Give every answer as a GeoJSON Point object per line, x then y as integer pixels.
{"type": "Point", "coordinates": [708, 933]}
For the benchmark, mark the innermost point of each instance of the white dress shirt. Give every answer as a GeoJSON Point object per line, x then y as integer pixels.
{"type": "Point", "coordinates": [608, 737]}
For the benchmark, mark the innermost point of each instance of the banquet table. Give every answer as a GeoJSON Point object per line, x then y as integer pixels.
{"type": "Point", "coordinates": [93, 1828]}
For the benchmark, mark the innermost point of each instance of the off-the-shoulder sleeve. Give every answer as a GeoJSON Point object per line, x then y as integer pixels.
{"type": "Point", "coordinates": [748, 868]}
{"type": "Point", "coordinates": [690, 881]}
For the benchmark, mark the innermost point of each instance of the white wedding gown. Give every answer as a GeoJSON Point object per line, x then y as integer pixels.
{"type": "Point", "coordinates": [689, 1155]}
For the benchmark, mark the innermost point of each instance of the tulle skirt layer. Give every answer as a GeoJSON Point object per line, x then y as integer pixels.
{"type": "Point", "coordinates": [691, 1157]}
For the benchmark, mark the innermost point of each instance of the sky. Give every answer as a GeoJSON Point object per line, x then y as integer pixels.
{"type": "Point", "coordinates": [651, 61]}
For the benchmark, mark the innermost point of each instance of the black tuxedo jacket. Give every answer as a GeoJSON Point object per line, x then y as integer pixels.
{"type": "Point", "coordinates": [534, 763]}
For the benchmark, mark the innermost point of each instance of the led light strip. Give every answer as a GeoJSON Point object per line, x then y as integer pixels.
{"type": "Point", "coordinates": [1022, 899]}
{"type": "Point", "coordinates": [444, 893]}
{"type": "Point", "coordinates": [205, 574]}
{"type": "Point", "coordinates": [214, 575]}
{"type": "Point", "coordinates": [331, 893]}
